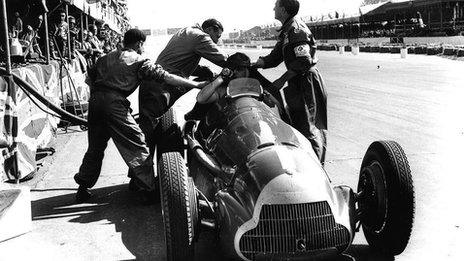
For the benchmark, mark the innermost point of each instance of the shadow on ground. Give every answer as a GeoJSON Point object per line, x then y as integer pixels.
{"type": "Point", "coordinates": [141, 226]}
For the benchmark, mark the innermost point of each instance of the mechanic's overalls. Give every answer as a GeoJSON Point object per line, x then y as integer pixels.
{"type": "Point", "coordinates": [307, 104]}
{"type": "Point", "coordinates": [110, 117]}
{"type": "Point", "coordinates": [305, 94]}
{"type": "Point", "coordinates": [114, 77]}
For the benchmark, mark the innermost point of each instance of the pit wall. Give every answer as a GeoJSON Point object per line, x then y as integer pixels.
{"type": "Point", "coordinates": [36, 128]}
{"type": "Point", "coordinates": [449, 40]}
{"type": "Point", "coordinates": [447, 46]}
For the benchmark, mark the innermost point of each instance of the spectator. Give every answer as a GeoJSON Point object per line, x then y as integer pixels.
{"type": "Point", "coordinates": [73, 33]}
{"type": "Point", "coordinates": [17, 27]}
{"type": "Point", "coordinates": [95, 52]}
{"type": "Point", "coordinates": [420, 22]}
{"type": "Point", "coordinates": [31, 37]}
{"type": "Point", "coordinates": [86, 49]}
{"type": "Point", "coordinates": [96, 43]}
{"type": "Point", "coordinates": [60, 36]}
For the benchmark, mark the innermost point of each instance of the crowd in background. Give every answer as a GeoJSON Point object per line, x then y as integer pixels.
{"type": "Point", "coordinates": [94, 40]}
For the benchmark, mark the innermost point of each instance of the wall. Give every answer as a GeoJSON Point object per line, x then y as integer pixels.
{"type": "Point", "coordinates": [36, 129]}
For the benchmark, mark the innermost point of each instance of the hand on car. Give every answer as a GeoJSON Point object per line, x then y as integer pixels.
{"type": "Point", "coordinates": [226, 73]}
{"type": "Point", "coordinates": [258, 64]}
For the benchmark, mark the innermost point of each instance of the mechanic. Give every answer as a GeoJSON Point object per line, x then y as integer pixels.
{"type": "Point", "coordinates": [305, 95]}
{"type": "Point", "coordinates": [181, 57]}
{"type": "Point", "coordinates": [114, 77]}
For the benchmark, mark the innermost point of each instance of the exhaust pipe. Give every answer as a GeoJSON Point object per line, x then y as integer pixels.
{"type": "Point", "coordinates": [209, 162]}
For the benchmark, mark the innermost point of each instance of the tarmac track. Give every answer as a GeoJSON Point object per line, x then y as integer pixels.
{"type": "Point", "coordinates": [417, 102]}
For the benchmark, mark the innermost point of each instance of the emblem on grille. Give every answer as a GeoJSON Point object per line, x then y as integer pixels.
{"type": "Point", "coordinates": [287, 229]}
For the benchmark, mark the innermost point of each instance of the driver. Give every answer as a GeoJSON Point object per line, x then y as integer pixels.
{"type": "Point", "coordinates": [238, 64]}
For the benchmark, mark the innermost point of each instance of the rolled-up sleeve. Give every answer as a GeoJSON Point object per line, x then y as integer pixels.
{"type": "Point", "coordinates": [149, 70]}
{"type": "Point", "coordinates": [207, 49]}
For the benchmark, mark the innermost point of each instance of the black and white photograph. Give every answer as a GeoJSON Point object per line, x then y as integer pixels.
{"type": "Point", "coordinates": [231, 130]}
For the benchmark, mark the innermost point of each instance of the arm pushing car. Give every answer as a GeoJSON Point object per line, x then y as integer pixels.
{"type": "Point", "coordinates": [113, 78]}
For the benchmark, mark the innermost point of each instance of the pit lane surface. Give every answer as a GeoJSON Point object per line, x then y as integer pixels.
{"type": "Point", "coordinates": [416, 101]}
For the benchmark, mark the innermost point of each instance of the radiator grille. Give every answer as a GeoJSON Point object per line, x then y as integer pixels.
{"type": "Point", "coordinates": [294, 229]}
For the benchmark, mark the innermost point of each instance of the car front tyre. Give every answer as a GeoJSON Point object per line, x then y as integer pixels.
{"type": "Point", "coordinates": [178, 204]}
{"type": "Point", "coordinates": [386, 197]}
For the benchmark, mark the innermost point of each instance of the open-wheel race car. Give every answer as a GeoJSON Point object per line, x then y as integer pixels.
{"type": "Point", "coordinates": [255, 181]}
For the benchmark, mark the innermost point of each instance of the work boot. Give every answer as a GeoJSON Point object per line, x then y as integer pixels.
{"type": "Point", "coordinates": [136, 185]}
{"type": "Point", "coordinates": [147, 197]}
{"type": "Point", "coordinates": [83, 194]}
{"type": "Point", "coordinates": [133, 186]}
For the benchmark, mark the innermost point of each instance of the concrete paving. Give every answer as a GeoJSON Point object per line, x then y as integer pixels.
{"type": "Point", "coordinates": [416, 101]}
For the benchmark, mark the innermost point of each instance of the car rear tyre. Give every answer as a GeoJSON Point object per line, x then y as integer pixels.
{"type": "Point", "coordinates": [171, 133]}
{"type": "Point", "coordinates": [386, 197]}
{"type": "Point", "coordinates": [179, 206]}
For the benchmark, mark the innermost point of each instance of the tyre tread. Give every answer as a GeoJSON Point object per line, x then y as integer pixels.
{"type": "Point", "coordinates": [400, 209]}
{"type": "Point", "coordinates": [176, 206]}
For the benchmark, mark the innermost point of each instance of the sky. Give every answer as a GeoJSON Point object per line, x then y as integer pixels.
{"type": "Point", "coordinates": [233, 14]}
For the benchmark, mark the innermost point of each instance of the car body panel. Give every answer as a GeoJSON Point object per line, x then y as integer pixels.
{"type": "Point", "coordinates": [249, 124]}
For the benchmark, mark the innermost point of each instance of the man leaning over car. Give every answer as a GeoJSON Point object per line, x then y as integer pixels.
{"type": "Point", "coordinates": [180, 57]}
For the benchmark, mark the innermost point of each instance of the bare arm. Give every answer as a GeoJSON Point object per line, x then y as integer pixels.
{"type": "Point", "coordinates": [209, 93]}
{"type": "Point", "coordinates": [150, 70]}
{"type": "Point", "coordinates": [175, 80]}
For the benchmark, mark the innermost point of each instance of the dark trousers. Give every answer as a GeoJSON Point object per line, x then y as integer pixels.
{"type": "Point", "coordinates": [110, 117]}
{"type": "Point", "coordinates": [307, 103]}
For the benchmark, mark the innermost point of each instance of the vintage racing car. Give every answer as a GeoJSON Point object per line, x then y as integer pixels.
{"type": "Point", "coordinates": [255, 181]}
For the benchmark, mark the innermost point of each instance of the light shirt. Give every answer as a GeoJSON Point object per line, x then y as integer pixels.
{"type": "Point", "coordinates": [185, 49]}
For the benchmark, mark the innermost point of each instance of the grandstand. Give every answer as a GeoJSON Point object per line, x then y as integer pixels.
{"type": "Point", "coordinates": [391, 19]}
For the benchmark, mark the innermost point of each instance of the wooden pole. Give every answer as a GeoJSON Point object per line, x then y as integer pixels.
{"type": "Point", "coordinates": [441, 16]}
{"type": "Point", "coordinates": [69, 35]}
{"type": "Point", "coordinates": [47, 37]}
{"type": "Point", "coordinates": [6, 38]}
{"type": "Point", "coordinates": [12, 94]}
{"type": "Point", "coordinates": [82, 29]}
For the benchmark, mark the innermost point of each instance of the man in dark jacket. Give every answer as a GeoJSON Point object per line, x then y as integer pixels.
{"type": "Point", "coordinates": [305, 95]}
{"type": "Point", "coordinates": [114, 77]}
{"type": "Point", "coordinates": [180, 57]}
